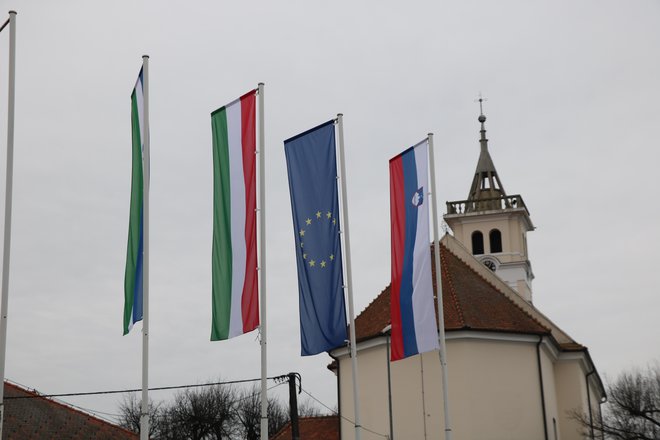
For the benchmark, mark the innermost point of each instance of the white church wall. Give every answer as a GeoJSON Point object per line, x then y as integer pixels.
{"type": "Point", "coordinates": [571, 395]}
{"type": "Point", "coordinates": [550, 393]}
{"type": "Point", "coordinates": [494, 390]}
{"type": "Point", "coordinates": [373, 392]}
{"type": "Point", "coordinates": [493, 386]}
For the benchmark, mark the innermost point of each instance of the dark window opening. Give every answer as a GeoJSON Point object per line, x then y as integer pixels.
{"type": "Point", "coordinates": [477, 243]}
{"type": "Point", "coordinates": [495, 241]}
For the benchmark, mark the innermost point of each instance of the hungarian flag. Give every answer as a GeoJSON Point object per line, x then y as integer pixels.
{"type": "Point", "coordinates": [235, 292]}
{"type": "Point", "coordinates": [133, 277]}
{"type": "Point", "coordinates": [414, 328]}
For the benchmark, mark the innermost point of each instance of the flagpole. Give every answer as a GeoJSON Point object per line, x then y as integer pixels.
{"type": "Point", "coordinates": [144, 415]}
{"type": "Point", "coordinates": [8, 204]}
{"type": "Point", "coordinates": [438, 283]}
{"type": "Point", "coordinates": [349, 287]}
{"type": "Point", "coordinates": [262, 265]}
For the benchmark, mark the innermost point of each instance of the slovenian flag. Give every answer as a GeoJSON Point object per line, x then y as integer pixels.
{"type": "Point", "coordinates": [414, 328]}
{"type": "Point", "coordinates": [133, 277]}
{"type": "Point", "coordinates": [235, 292]}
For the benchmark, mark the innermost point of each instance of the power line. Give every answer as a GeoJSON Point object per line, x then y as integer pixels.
{"type": "Point", "coordinates": [344, 417]}
{"type": "Point", "coordinates": [134, 390]}
{"type": "Point", "coordinates": [115, 417]}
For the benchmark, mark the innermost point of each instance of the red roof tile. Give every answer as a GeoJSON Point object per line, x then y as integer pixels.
{"type": "Point", "coordinates": [312, 428]}
{"type": "Point", "coordinates": [30, 416]}
{"type": "Point", "coordinates": [469, 302]}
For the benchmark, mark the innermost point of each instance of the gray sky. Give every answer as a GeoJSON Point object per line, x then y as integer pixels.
{"type": "Point", "coordinates": [572, 111]}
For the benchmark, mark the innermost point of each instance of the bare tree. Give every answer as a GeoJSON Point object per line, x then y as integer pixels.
{"type": "Point", "coordinates": [307, 408]}
{"type": "Point", "coordinates": [632, 411]}
{"type": "Point", "coordinates": [130, 410]}
{"type": "Point", "coordinates": [219, 412]}
{"type": "Point", "coordinates": [201, 414]}
{"type": "Point", "coordinates": [248, 413]}
{"type": "Point", "coordinates": [277, 416]}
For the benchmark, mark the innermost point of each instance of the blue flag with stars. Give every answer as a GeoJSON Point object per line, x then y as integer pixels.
{"type": "Point", "coordinates": [312, 169]}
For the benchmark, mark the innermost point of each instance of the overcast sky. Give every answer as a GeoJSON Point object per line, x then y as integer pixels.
{"type": "Point", "coordinates": [573, 114]}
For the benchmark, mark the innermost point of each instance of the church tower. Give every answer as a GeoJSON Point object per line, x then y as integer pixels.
{"type": "Point", "coordinates": [494, 225]}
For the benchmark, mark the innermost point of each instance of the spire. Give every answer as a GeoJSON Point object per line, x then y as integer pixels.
{"type": "Point", "coordinates": [490, 222]}
{"type": "Point", "coordinates": [486, 183]}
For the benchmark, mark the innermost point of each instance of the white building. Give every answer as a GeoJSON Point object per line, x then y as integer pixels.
{"type": "Point", "coordinates": [513, 374]}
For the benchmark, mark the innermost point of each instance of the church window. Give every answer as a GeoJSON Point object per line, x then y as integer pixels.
{"type": "Point", "coordinates": [477, 243]}
{"type": "Point", "coordinates": [495, 241]}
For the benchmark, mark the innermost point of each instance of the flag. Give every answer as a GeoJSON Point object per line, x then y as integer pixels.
{"type": "Point", "coordinates": [312, 169]}
{"type": "Point", "coordinates": [133, 277]}
{"type": "Point", "coordinates": [414, 328]}
{"type": "Point", "coordinates": [235, 291]}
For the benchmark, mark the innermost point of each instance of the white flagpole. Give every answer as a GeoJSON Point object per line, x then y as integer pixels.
{"type": "Point", "coordinates": [144, 416]}
{"type": "Point", "coordinates": [438, 283]}
{"type": "Point", "coordinates": [8, 203]}
{"type": "Point", "coordinates": [262, 265]}
{"type": "Point", "coordinates": [349, 283]}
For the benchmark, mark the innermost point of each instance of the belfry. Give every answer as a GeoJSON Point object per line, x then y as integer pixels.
{"type": "Point", "coordinates": [492, 225]}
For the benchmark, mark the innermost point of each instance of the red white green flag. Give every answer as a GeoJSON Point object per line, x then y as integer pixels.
{"type": "Point", "coordinates": [235, 291]}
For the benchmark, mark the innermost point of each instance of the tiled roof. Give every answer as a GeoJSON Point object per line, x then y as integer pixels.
{"type": "Point", "coordinates": [30, 416]}
{"type": "Point", "coordinates": [470, 302]}
{"type": "Point", "coordinates": [312, 428]}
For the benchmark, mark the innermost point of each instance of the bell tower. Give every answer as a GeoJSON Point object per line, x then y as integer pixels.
{"type": "Point", "coordinates": [492, 224]}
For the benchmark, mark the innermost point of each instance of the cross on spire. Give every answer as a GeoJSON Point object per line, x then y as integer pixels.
{"type": "Point", "coordinates": [481, 100]}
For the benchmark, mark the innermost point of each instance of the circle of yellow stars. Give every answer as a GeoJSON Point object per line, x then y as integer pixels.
{"type": "Point", "coordinates": [318, 216]}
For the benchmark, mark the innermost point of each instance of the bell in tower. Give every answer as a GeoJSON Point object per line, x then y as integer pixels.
{"type": "Point", "coordinates": [492, 224]}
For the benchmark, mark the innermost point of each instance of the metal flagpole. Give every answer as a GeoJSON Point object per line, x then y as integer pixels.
{"type": "Point", "coordinates": [438, 283]}
{"type": "Point", "coordinates": [349, 284]}
{"type": "Point", "coordinates": [262, 264]}
{"type": "Point", "coordinates": [8, 200]}
{"type": "Point", "coordinates": [144, 416]}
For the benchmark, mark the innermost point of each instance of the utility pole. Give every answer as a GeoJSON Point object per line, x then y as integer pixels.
{"type": "Point", "coordinates": [293, 405]}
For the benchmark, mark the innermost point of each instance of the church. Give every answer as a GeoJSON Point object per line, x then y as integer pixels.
{"type": "Point", "coordinates": [512, 373]}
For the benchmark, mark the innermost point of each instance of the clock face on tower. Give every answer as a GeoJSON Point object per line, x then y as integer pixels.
{"type": "Point", "coordinates": [490, 265]}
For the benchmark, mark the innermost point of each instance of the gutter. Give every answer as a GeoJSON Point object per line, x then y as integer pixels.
{"type": "Point", "coordinates": [538, 359]}
{"type": "Point", "coordinates": [591, 418]}
{"type": "Point", "coordinates": [600, 414]}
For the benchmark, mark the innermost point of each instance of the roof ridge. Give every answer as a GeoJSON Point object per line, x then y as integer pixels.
{"type": "Point", "coordinates": [458, 249]}
{"type": "Point", "coordinates": [452, 290]}
{"type": "Point", "coordinates": [533, 318]}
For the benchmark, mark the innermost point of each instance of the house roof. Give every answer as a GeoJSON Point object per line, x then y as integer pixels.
{"type": "Point", "coordinates": [312, 428]}
{"type": "Point", "coordinates": [473, 299]}
{"type": "Point", "coordinates": [29, 415]}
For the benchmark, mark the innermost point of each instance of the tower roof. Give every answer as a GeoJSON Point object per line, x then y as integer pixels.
{"type": "Point", "coordinates": [486, 183]}
{"type": "Point", "coordinates": [487, 193]}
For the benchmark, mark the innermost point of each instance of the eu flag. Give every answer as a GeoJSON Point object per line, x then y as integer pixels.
{"type": "Point", "coordinates": [312, 169]}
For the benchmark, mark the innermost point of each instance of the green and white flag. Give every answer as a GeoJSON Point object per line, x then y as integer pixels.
{"type": "Point", "coordinates": [133, 278]}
